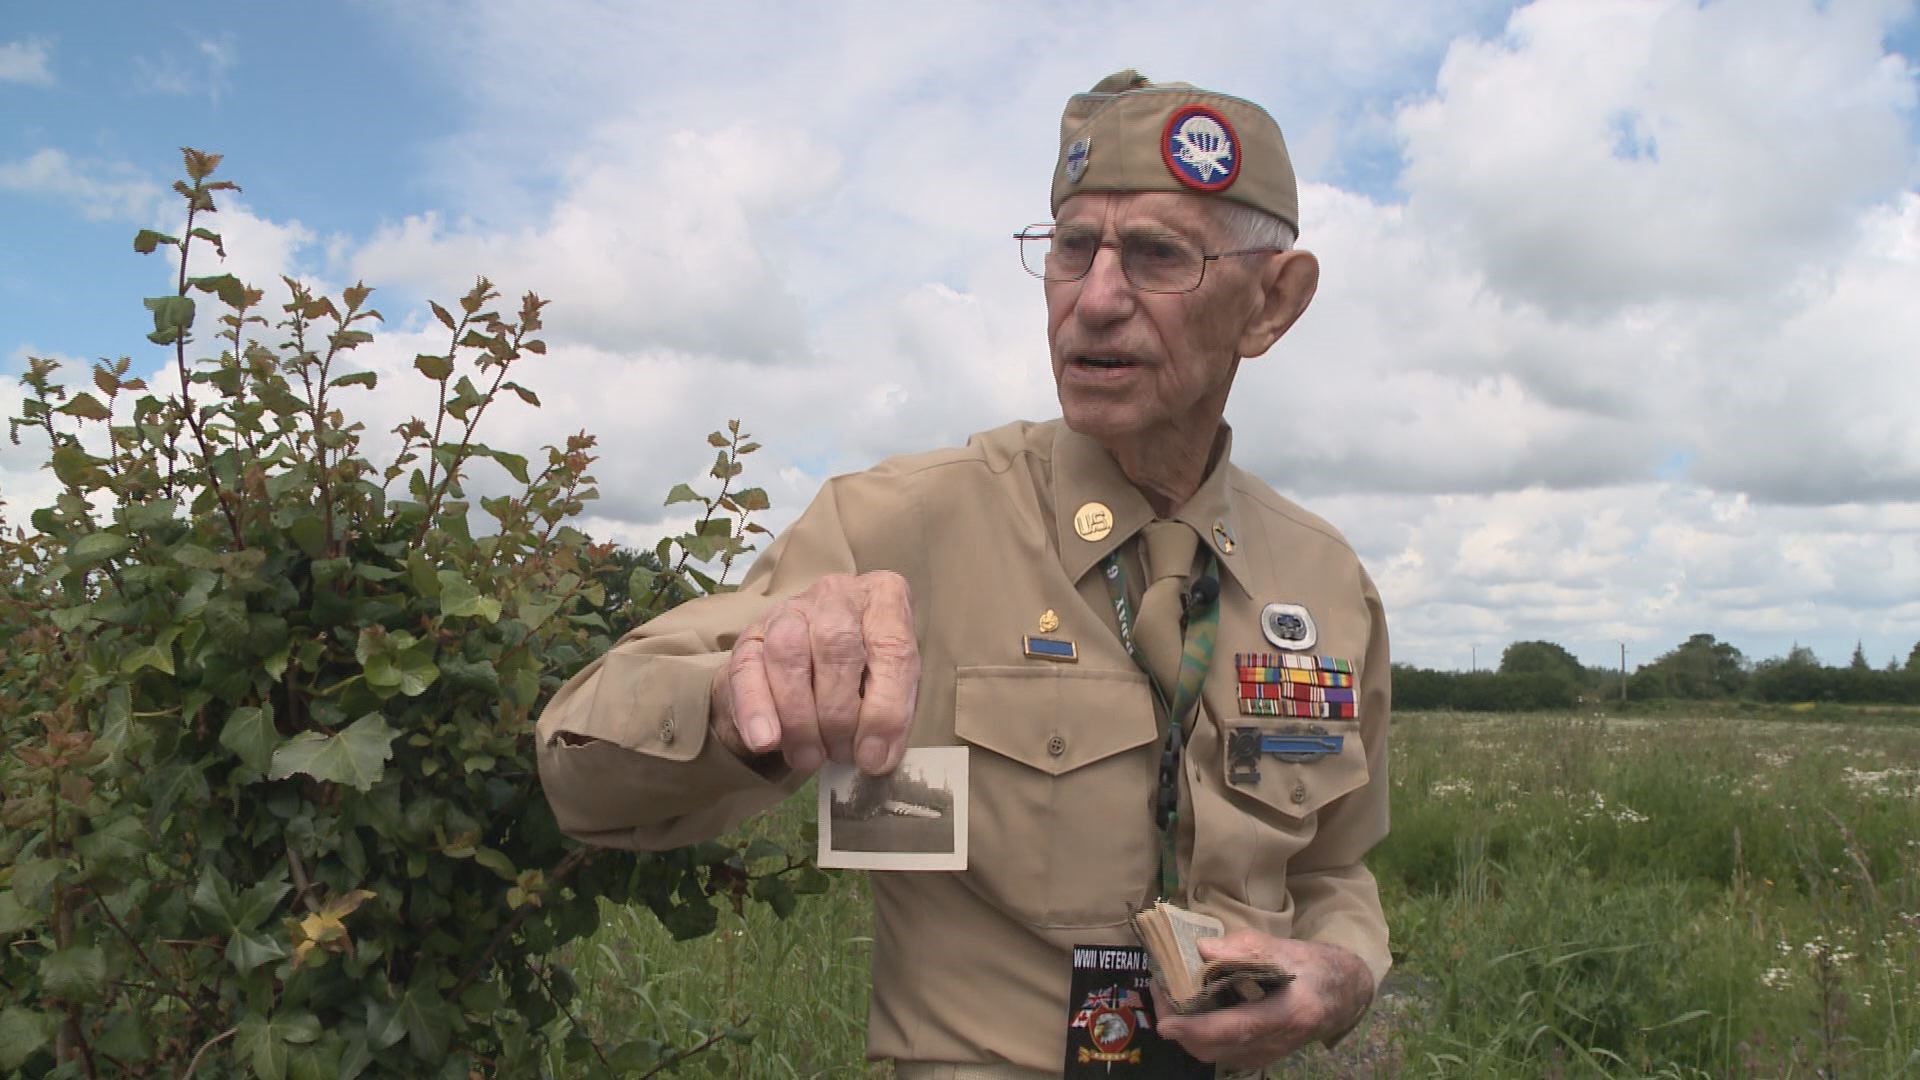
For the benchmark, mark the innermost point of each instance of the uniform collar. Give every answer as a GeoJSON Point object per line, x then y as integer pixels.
{"type": "Point", "coordinates": [1084, 473]}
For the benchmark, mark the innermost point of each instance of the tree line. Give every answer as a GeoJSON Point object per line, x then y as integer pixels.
{"type": "Point", "coordinates": [1544, 675]}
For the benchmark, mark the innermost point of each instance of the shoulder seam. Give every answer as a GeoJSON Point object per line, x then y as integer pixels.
{"type": "Point", "coordinates": [1255, 493]}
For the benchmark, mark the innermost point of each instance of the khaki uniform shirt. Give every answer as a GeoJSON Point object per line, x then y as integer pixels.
{"type": "Point", "coordinates": [973, 966]}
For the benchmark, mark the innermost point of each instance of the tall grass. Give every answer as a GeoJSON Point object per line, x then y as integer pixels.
{"type": "Point", "coordinates": [1667, 896]}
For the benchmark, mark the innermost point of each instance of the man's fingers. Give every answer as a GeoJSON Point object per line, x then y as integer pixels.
{"type": "Point", "coordinates": [745, 700]}
{"type": "Point", "coordinates": [789, 669]}
{"type": "Point", "coordinates": [892, 675]}
{"type": "Point", "coordinates": [839, 658]}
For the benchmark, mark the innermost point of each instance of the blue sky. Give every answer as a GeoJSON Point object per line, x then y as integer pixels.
{"type": "Point", "coordinates": [1549, 389]}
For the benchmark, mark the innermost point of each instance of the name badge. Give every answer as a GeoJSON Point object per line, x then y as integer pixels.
{"type": "Point", "coordinates": [1110, 1028]}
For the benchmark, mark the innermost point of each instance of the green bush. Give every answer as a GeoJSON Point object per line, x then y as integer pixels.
{"type": "Point", "coordinates": [270, 798]}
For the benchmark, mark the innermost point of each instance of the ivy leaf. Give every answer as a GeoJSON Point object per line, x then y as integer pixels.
{"type": "Point", "coordinates": [266, 1041]}
{"type": "Point", "coordinates": [355, 757]}
{"type": "Point", "coordinates": [424, 1012]}
{"type": "Point", "coordinates": [14, 917]}
{"type": "Point", "coordinates": [248, 949]}
{"type": "Point", "coordinates": [95, 548]}
{"type": "Point", "coordinates": [23, 1032]}
{"type": "Point", "coordinates": [120, 839]}
{"type": "Point", "coordinates": [250, 734]}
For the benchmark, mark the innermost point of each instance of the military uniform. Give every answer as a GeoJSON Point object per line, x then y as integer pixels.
{"type": "Point", "coordinates": [973, 966]}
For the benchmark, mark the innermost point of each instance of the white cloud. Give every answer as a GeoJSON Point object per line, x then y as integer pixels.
{"type": "Point", "coordinates": [201, 70]}
{"type": "Point", "coordinates": [100, 191]}
{"type": "Point", "coordinates": [27, 62]}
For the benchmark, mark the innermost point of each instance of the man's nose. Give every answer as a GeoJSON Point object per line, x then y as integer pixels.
{"type": "Point", "coordinates": [1105, 293]}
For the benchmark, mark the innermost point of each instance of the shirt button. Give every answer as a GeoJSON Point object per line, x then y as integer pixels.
{"type": "Point", "coordinates": [1299, 792]}
{"type": "Point", "coordinates": [1056, 745]}
{"type": "Point", "coordinates": [666, 731]}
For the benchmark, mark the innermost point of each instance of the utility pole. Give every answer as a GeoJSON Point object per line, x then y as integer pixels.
{"type": "Point", "coordinates": [1623, 673]}
{"type": "Point", "coordinates": [1476, 658]}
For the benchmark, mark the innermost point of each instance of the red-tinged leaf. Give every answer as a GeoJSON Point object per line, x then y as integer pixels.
{"type": "Point", "coordinates": [535, 346]}
{"type": "Point", "coordinates": [445, 316]}
{"type": "Point", "coordinates": [227, 287]}
{"type": "Point", "coordinates": [105, 380]}
{"type": "Point", "coordinates": [199, 165]}
{"type": "Point", "coordinates": [474, 339]}
{"type": "Point", "coordinates": [752, 499]}
{"type": "Point", "coordinates": [716, 439]}
{"type": "Point", "coordinates": [747, 448]}
{"type": "Point", "coordinates": [526, 395]}
{"type": "Point", "coordinates": [355, 295]}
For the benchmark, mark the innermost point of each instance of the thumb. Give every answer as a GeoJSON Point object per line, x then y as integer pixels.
{"type": "Point", "coordinates": [1238, 945]}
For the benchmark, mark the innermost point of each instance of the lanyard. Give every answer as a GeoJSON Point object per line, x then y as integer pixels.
{"type": "Point", "coordinates": [1202, 622]}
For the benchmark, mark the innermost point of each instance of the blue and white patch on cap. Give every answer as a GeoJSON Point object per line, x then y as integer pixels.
{"type": "Point", "coordinates": [1200, 149]}
{"type": "Point", "coordinates": [1077, 159]}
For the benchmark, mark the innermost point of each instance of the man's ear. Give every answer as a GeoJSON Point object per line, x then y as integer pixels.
{"type": "Point", "coordinates": [1287, 284]}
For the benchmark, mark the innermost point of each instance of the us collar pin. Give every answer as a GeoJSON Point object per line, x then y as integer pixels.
{"type": "Point", "coordinates": [1093, 521]}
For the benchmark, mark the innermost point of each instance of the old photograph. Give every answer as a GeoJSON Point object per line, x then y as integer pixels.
{"type": "Point", "coordinates": [915, 818]}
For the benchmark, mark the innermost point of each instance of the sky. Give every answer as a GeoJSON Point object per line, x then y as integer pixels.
{"type": "Point", "coordinates": [1615, 340]}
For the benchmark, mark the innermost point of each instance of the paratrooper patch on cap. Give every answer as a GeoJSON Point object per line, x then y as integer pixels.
{"type": "Point", "coordinates": [1288, 626]}
{"type": "Point", "coordinates": [1077, 156]}
{"type": "Point", "coordinates": [1200, 149]}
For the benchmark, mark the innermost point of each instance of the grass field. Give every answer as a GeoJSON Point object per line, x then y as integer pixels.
{"type": "Point", "coordinates": [1675, 895]}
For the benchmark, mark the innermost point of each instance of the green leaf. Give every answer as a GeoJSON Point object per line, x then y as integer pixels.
{"type": "Point", "coordinates": [172, 317]}
{"type": "Point", "coordinates": [367, 379]}
{"type": "Point", "coordinates": [683, 493]}
{"type": "Point", "coordinates": [23, 1032]}
{"type": "Point", "coordinates": [752, 499]}
{"type": "Point", "coordinates": [14, 916]}
{"type": "Point", "coordinates": [777, 894]}
{"type": "Point", "coordinates": [310, 533]}
{"type": "Point", "coordinates": [121, 839]}
{"type": "Point", "coordinates": [445, 317]}
{"type": "Point", "coordinates": [146, 240]}
{"type": "Point", "coordinates": [74, 972]}
{"type": "Point", "coordinates": [248, 949]}
{"type": "Point", "coordinates": [95, 548]}
{"type": "Point", "coordinates": [384, 1024]}
{"type": "Point", "coordinates": [355, 757]}
{"type": "Point", "coordinates": [496, 862]}
{"type": "Point", "coordinates": [459, 597]}
{"type": "Point", "coordinates": [425, 1013]}
{"type": "Point", "coordinates": [250, 734]}
{"type": "Point", "coordinates": [437, 368]}
{"type": "Point", "coordinates": [265, 1041]}
{"type": "Point", "coordinates": [717, 439]}
{"type": "Point", "coordinates": [515, 465]}
{"type": "Point", "coordinates": [86, 407]}
{"type": "Point", "coordinates": [227, 287]}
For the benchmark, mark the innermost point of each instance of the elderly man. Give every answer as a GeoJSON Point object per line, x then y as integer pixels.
{"type": "Point", "coordinates": [1053, 597]}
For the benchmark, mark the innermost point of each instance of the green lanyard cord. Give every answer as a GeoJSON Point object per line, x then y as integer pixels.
{"type": "Point", "coordinates": [1202, 627]}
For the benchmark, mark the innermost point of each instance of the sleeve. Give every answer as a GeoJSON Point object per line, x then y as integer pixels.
{"type": "Point", "coordinates": [624, 750]}
{"type": "Point", "coordinates": [1335, 898]}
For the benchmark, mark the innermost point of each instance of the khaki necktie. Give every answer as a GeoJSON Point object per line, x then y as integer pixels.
{"type": "Point", "coordinates": [1168, 548]}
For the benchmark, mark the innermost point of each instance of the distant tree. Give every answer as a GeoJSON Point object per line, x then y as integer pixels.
{"type": "Point", "coordinates": [1913, 659]}
{"type": "Point", "coordinates": [1859, 661]}
{"type": "Point", "coordinates": [1541, 658]}
{"type": "Point", "coordinates": [1700, 668]}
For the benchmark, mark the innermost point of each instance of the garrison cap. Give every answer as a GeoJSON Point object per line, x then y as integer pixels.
{"type": "Point", "coordinates": [1128, 134]}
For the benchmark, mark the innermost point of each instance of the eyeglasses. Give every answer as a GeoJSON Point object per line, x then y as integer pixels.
{"type": "Point", "coordinates": [1156, 262]}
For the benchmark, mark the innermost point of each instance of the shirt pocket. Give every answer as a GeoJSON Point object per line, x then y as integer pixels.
{"type": "Point", "coordinates": [1282, 793]}
{"type": "Point", "coordinates": [1061, 831]}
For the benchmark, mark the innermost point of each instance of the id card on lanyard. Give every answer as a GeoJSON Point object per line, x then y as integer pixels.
{"type": "Point", "coordinates": [1110, 1026]}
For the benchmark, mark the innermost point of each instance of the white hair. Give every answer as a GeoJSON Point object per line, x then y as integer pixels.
{"type": "Point", "coordinates": [1242, 226]}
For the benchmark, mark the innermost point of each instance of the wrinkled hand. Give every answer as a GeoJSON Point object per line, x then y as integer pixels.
{"type": "Point", "coordinates": [1332, 987]}
{"type": "Point", "coordinates": [831, 673]}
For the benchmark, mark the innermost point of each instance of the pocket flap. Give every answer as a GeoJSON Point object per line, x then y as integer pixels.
{"type": "Point", "coordinates": [1296, 784]}
{"type": "Point", "coordinates": [1053, 719]}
